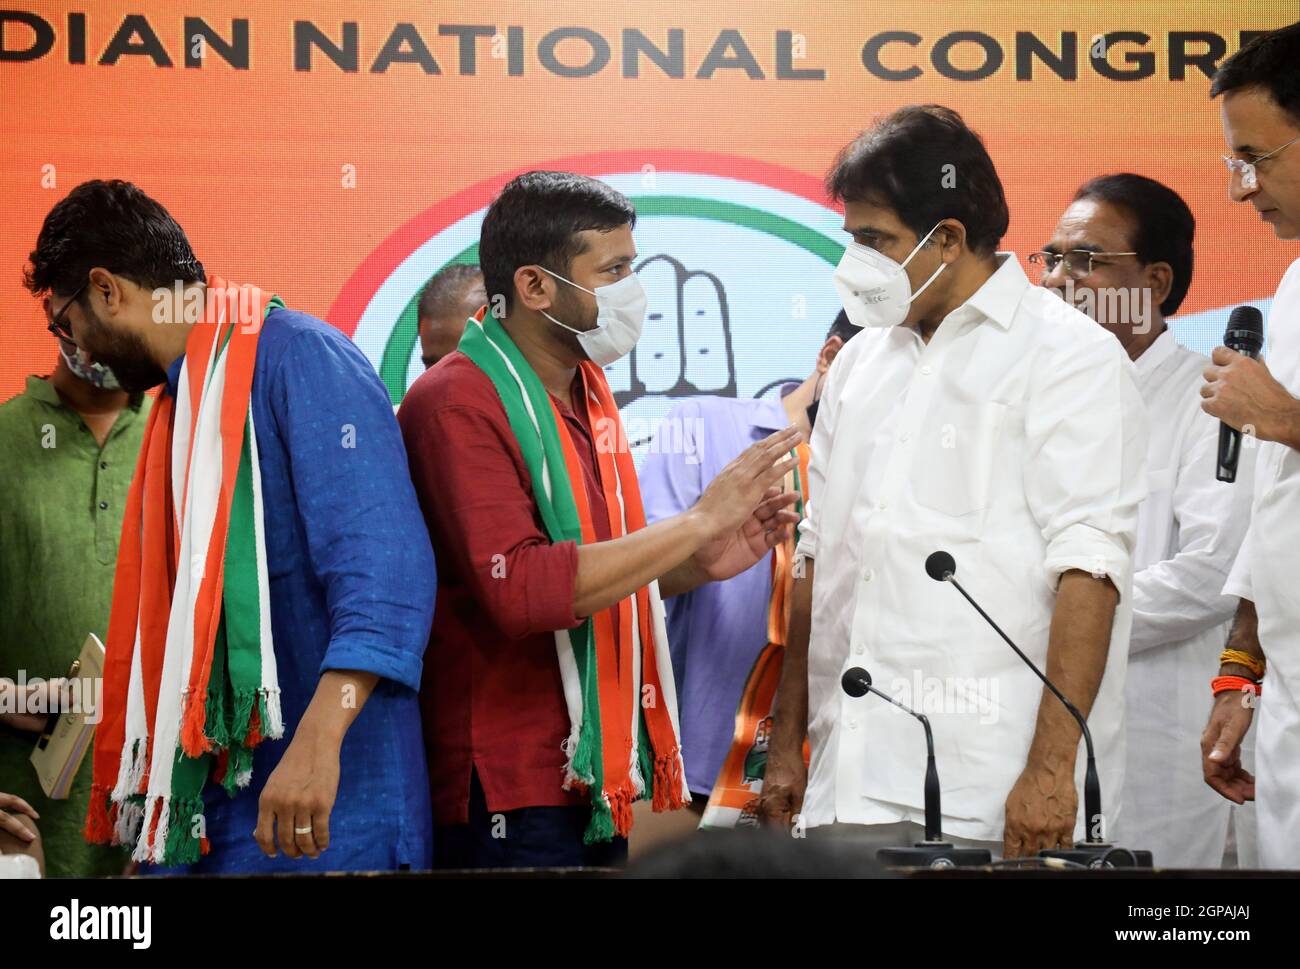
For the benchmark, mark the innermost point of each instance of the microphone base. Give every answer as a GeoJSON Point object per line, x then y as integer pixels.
{"type": "Point", "coordinates": [1097, 854]}
{"type": "Point", "coordinates": [934, 854]}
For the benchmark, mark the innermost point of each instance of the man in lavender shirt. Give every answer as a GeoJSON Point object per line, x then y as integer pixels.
{"type": "Point", "coordinates": [717, 631]}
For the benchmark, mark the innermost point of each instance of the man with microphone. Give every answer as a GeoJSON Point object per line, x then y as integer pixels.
{"type": "Point", "coordinates": [1260, 111]}
{"type": "Point", "coordinates": [975, 413]}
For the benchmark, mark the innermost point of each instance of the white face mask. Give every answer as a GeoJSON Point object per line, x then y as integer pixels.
{"type": "Point", "coordinates": [620, 311]}
{"type": "Point", "coordinates": [873, 288]}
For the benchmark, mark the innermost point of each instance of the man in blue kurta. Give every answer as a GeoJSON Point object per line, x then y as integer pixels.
{"type": "Point", "coordinates": [350, 566]}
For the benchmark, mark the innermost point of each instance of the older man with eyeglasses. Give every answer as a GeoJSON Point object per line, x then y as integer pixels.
{"type": "Point", "coordinates": [1260, 87]}
{"type": "Point", "coordinates": [1122, 253]}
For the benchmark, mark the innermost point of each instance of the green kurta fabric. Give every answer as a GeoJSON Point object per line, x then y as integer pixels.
{"type": "Point", "coordinates": [61, 503]}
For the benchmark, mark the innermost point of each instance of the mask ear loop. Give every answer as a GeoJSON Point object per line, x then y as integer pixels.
{"type": "Point", "coordinates": [570, 281]}
{"type": "Point", "coordinates": [934, 275]}
{"type": "Point", "coordinates": [566, 326]}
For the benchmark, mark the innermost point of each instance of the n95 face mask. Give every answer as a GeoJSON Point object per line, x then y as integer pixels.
{"type": "Point", "coordinates": [873, 288]}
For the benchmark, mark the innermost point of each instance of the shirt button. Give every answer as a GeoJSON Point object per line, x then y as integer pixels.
{"type": "Point", "coordinates": [103, 465]}
{"type": "Point", "coordinates": [103, 505]}
{"type": "Point", "coordinates": [905, 437]}
{"type": "Point", "coordinates": [853, 724]}
{"type": "Point", "coordinates": [859, 649]}
{"type": "Point", "coordinates": [868, 575]}
{"type": "Point", "coordinates": [927, 370]}
{"type": "Point", "coordinates": [881, 506]}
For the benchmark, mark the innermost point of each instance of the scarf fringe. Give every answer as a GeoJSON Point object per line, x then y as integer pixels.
{"type": "Point", "coordinates": [130, 815]}
{"type": "Point", "coordinates": [669, 791]}
{"type": "Point", "coordinates": [581, 768]}
{"type": "Point", "coordinates": [601, 825]}
{"type": "Point", "coordinates": [271, 716]}
{"type": "Point", "coordinates": [151, 831]}
{"type": "Point", "coordinates": [131, 770]}
{"type": "Point", "coordinates": [246, 699]}
{"type": "Point", "coordinates": [217, 725]}
{"type": "Point", "coordinates": [194, 740]}
{"type": "Point", "coordinates": [635, 775]}
{"type": "Point", "coordinates": [573, 781]}
{"type": "Point", "coordinates": [239, 769]}
{"type": "Point", "coordinates": [100, 816]}
{"type": "Point", "coordinates": [180, 845]}
{"type": "Point", "coordinates": [611, 814]}
{"type": "Point", "coordinates": [646, 770]}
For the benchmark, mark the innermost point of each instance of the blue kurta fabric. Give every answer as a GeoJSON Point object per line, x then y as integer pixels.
{"type": "Point", "coordinates": [352, 588]}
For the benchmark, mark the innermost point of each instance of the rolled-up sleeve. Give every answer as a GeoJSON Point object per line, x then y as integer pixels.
{"type": "Point", "coordinates": [367, 542]}
{"type": "Point", "coordinates": [1085, 467]}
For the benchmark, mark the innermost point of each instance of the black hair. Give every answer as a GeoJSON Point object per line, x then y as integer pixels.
{"type": "Point", "coordinates": [925, 164]}
{"type": "Point", "coordinates": [1270, 62]}
{"type": "Point", "coordinates": [536, 220]}
{"type": "Point", "coordinates": [115, 226]}
{"type": "Point", "coordinates": [445, 289]}
{"type": "Point", "coordinates": [842, 328]}
{"type": "Point", "coordinates": [1163, 225]}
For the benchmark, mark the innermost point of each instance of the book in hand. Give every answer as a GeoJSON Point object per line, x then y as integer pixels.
{"type": "Point", "coordinates": [63, 743]}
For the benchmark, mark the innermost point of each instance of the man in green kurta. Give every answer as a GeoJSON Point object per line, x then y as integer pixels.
{"type": "Point", "coordinates": [68, 447]}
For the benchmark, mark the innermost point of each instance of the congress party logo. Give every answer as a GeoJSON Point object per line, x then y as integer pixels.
{"type": "Point", "coordinates": [735, 256]}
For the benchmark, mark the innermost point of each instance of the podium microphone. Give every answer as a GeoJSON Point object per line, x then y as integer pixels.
{"type": "Point", "coordinates": [933, 852]}
{"type": "Point", "coordinates": [1095, 852]}
{"type": "Point", "coordinates": [1245, 334]}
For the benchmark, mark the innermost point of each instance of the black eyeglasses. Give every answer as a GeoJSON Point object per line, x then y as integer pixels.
{"type": "Point", "coordinates": [58, 325]}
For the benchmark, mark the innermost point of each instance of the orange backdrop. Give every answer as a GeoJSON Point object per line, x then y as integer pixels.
{"type": "Point", "coordinates": [254, 163]}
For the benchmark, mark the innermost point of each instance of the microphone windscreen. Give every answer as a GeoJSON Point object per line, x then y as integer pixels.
{"type": "Point", "coordinates": [855, 681]}
{"type": "Point", "coordinates": [940, 566]}
{"type": "Point", "coordinates": [1245, 332]}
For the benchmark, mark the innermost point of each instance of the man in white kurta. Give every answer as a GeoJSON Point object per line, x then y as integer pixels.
{"type": "Point", "coordinates": [1260, 111]}
{"type": "Point", "coordinates": [1122, 252]}
{"type": "Point", "coordinates": [1189, 529]}
{"type": "Point", "coordinates": [981, 415]}
{"type": "Point", "coordinates": [1014, 440]}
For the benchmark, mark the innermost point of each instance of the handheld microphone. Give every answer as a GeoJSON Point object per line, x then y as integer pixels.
{"type": "Point", "coordinates": [1245, 334]}
{"type": "Point", "coordinates": [933, 852]}
{"type": "Point", "coordinates": [1096, 851]}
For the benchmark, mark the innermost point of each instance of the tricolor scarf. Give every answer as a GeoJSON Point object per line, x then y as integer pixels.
{"type": "Point", "coordinates": [734, 799]}
{"type": "Point", "coordinates": [190, 682]}
{"type": "Point", "coordinates": [622, 744]}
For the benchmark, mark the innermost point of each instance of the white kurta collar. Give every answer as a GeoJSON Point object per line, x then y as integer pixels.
{"type": "Point", "coordinates": [1156, 354]}
{"type": "Point", "coordinates": [999, 298]}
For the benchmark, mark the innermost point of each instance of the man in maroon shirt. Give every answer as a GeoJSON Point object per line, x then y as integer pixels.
{"type": "Point", "coordinates": [494, 707]}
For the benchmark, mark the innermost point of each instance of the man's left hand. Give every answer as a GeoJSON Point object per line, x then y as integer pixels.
{"type": "Point", "coordinates": [1240, 391]}
{"type": "Point", "coordinates": [1041, 810]}
{"type": "Point", "coordinates": [732, 554]}
{"type": "Point", "coordinates": [299, 795]}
